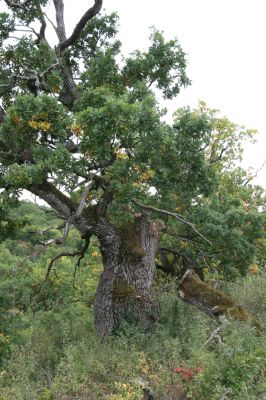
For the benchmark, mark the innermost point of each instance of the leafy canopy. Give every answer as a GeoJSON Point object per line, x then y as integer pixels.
{"type": "Point", "coordinates": [79, 112]}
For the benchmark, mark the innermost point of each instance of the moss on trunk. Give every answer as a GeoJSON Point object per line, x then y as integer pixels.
{"type": "Point", "coordinates": [212, 301]}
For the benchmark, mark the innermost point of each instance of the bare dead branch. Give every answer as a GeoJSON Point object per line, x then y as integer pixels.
{"type": "Point", "coordinates": [49, 242]}
{"type": "Point", "coordinates": [215, 333]}
{"type": "Point", "coordinates": [35, 78]}
{"type": "Point", "coordinates": [177, 216]}
{"type": "Point", "coordinates": [60, 21]}
{"type": "Point", "coordinates": [89, 14]}
{"type": "Point", "coordinates": [57, 257]}
{"type": "Point", "coordinates": [50, 68]}
{"type": "Point", "coordinates": [83, 198]}
{"type": "Point", "coordinates": [69, 94]}
{"type": "Point", "coordinates": [50, 21]}
{"type": "Point", "coordinates": [59, 241]}
{"type": "Point", "coordinates": [185, 238]}
{"type": "Point", "coordinates": [44, 231]}
{"type": "Point", "coordinates": [253, 176]}
{"type": "Point", "coordinates": [50, 268]}
{"type": "Point", "coordinates": [29, 30]}
{"type": "Point", "coordinates": [82, 255]}
{"type": "Point", "coordinates": [41, 35]}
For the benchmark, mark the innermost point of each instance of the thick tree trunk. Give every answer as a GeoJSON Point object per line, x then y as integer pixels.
{"type": "Point", "coordinates": [128, 255]}
{"type": "Point", "coordinates": [110, 243]}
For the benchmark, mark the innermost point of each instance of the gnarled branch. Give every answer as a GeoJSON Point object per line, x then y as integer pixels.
{"type": "Point", "coordinates": [177, 216]}
{"type": "Point", "coordinates": [89, 14]}
{"type": "Point", "coordinates": [81, 256]}
{"type": "Point", "coordinates": [80, 253]}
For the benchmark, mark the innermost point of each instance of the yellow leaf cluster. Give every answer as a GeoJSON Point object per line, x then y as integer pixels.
{"type": "Point", "coordinates": [145, 176]}
{"type": "Point", "coordinates": [76, 129]}
{"type": "Point", "coordinates": [183, 244]}
{"type": "Point", "coordinates": [44, 126]}
{"type": "Point", "coordinates": [56, 89]}
{"type": "Point", "coordinates": [144, 365]}
{"type": "Point", "coordinates": [120, 155]}
{"type": "Point", "coordinates": [126, 391]}
{"type": "Point", "coordinates": [254, 269]}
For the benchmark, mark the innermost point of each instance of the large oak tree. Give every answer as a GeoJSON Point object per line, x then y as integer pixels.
{"type": "Point", "coordinates": [81, 128]}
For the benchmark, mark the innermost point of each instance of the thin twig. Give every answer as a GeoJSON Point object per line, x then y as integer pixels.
{"type": "Point", "coordinates": [57, 257]}
{"type": "Point", "coordinates": [82, 255]}
{"type": "Point", "coordinates": [44, 231]}
{"type": "Point", "coordinates": [51, 22]}
{"type": "Point", "coordinates": [249, 179]}
{"type": "Point", "coordinates": [215, 333]}
{"type": "Point", "coordinates": [184, 238]}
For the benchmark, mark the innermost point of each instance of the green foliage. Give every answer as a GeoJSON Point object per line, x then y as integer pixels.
{"type": "Point", "coordinates": [8, 221]}
{"type": "Point", "coordinates": [55, 352]}
{"type": "Point", "coordinates": [97, 36]}
{"type": "Point", "coordinates": [4, 347]}
{"type": "Point", "coordinates": [238, 368]}
{"type": "Point", "coordinates": [6, 26]}
{"type": "Point", "coordinates": [62, 356]}
{"type": "Point", "coordinates": [163, 63]}
{"type": "Point", "coordinates": [115, 129]}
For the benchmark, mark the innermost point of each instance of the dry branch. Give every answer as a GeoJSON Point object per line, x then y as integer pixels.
{"type": "Point", "coordinates": [177, 216]}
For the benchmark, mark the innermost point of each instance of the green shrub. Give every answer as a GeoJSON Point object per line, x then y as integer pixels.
{"type": "Point", "coordinates": [59, 356]}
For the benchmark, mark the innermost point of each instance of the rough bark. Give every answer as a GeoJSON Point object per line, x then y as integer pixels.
{"type": "Point", "coordinates": [126, 283]}
{"type": "Point", "coordinates": [128, 256]}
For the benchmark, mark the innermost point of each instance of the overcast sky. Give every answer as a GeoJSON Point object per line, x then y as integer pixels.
{"type": "Point", "coordinates": [225, 45]}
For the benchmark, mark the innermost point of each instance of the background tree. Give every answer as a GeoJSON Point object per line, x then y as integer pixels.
{"type": "Point", "coordinates": [81, 129]}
